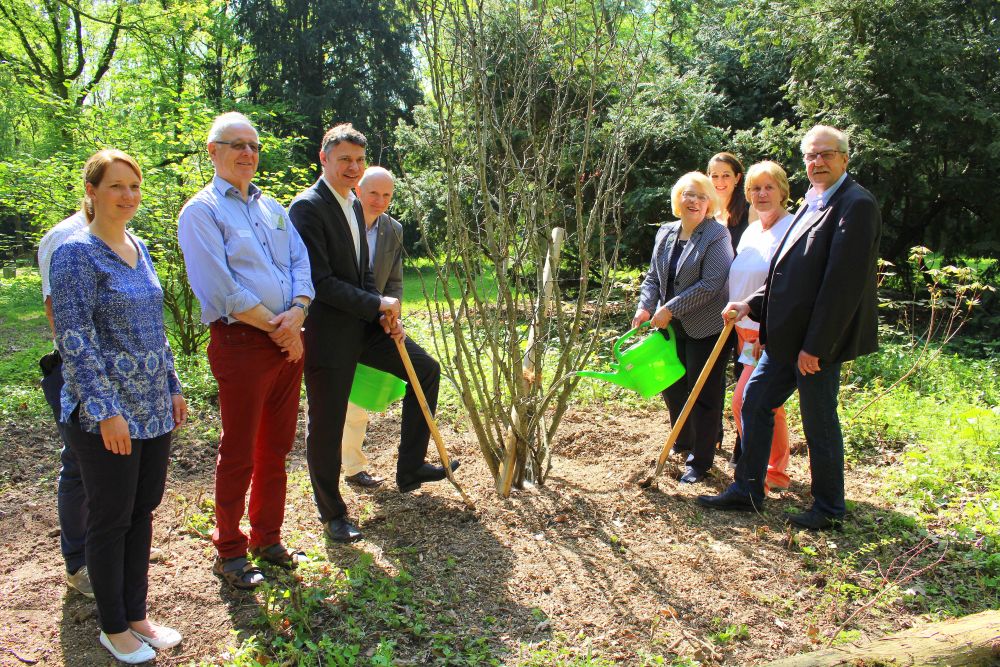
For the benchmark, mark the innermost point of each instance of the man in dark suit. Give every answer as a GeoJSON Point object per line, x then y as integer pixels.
{"type": "Point", "coordinates": [817, 309]}
{"type": "Point", "coordinates": [350, 321]}
{"type": "Point", "coordinates": [385, 254]}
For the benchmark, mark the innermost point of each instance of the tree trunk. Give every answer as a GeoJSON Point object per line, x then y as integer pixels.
{"type": "Point", "coordinates": [971, 641]}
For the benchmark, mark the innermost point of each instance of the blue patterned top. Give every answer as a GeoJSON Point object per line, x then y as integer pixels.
{"type": "Point", "coordinates": [109, 330]}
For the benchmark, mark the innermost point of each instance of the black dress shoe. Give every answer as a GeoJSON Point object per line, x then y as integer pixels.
{"type": "Point", "coordinates": [425, 473]}
{"type": "Point", "coordinates": [691, 476]}
{"type": "Point", "coordinates": [363, 479]}
{"type": "Point", "coordinates": [814, 520]}
{"type": "Point", "coordinates": [729, 500]}
{"type": "Point", "coordinates": [342, 530]}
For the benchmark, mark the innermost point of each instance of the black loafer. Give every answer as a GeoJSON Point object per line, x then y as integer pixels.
{"type": "Point", "coordinates": [425, 473]}
{"type": "Point", "coordinates": [342, 530]}
{"type": "Point", "coordinates": [691, 476]}
{"type": "Point", "coordinates": [363, 479]}
{"type": "Point", "coordinates": [729, 500]}
{"type": "Point", "coordinates": [814, 520]}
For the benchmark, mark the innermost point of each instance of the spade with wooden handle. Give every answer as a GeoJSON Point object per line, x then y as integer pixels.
{"type": "Point", "coordinates": [422, 400]}
{"type": "Point", "coordinates": [692, 398]}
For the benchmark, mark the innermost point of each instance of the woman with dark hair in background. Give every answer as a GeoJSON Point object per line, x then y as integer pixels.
{"type": "Point", "coordinates": [726, 172]}
{"type": "Point", "coordinates": [121, 398]}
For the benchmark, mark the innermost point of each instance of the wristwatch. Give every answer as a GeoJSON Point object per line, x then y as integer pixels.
{"type": "Point", "coordinates": [304, 307]}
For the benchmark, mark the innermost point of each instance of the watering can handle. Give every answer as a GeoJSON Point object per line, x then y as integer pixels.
{"type": "Point", "coordinates": [617, 349]}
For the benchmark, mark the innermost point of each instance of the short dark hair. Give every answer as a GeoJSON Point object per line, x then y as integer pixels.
{"type": "Point", "coordinates": [342, 132]}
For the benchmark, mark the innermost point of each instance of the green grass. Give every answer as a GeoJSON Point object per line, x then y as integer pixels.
{"type": "Point", "coordinates": [943, 426]}
{"type": "Point", "coordinates": [26, 338]}
{"type": "Point", "coordinates": [358, 615]}
{"type": "Point", "coordinates": [421, 284]}
{"type": "Point", "coordinates": [932, 444]}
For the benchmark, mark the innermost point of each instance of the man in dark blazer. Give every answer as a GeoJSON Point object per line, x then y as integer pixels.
{"type": "Point", "coordinates": [817, 309]}
{"type": "Point", "coordinates": [385, 252]}
{"type": "Point", "coordinates": [349, 321]}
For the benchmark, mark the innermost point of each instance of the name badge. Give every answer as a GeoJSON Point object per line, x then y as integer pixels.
{"type": "Point", "coordinates": [244, 233]}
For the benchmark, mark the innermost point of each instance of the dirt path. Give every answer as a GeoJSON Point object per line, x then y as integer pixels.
{"type": "Point", "coordinates": [589, 562]}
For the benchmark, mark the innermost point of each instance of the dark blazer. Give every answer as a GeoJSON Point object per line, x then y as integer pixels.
{"type": "Point", "coordinates": [701, 283]}
{"type": "Point", "coordinates": [820, 293]}
{"type": "Point", "coordinates": [346, 300]}
{"type": "Point", "coordinates": [388, 269]}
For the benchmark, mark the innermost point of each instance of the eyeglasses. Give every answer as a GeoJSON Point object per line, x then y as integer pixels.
{"type": "Point", "coordinates": [239, 146]}
{"type": "Point", "coordinates": [690, 195]}
{"type": "Point", "coordinates": [826, 155]}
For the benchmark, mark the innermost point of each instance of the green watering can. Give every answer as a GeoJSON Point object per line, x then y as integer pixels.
{"type": "Point", "coordinates": [375, 390]}
{"type": "Point", "coordinates": [647, 367]}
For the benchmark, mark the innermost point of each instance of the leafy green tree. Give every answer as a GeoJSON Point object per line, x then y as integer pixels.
{"type": "Point", "coordinates": [59, 48]}
{"type": "Point", "coordinates": [317, 63]}
{"type": "Point", "coordinates": [917, 84]}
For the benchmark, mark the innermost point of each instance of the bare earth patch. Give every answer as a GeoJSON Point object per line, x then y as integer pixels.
{"type": "Point", "coordinates": [589, 562]}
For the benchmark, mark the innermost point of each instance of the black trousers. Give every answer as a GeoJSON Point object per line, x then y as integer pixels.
{"type": "Point", "coordinates": [122, 492]}
{"type": "Point", "coordinates": [328, 390]}
{"type": "Point", "coordinates": [702, 426]}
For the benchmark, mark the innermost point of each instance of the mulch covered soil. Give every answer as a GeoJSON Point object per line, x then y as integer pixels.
{"type": "Point", "coordinates": [587, 562]}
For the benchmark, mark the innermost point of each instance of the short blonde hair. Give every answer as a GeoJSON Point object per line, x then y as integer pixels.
{"type": "Point", "coordinates": [774, 170]}
{"type": "Point", "coordinates": [700, 181]}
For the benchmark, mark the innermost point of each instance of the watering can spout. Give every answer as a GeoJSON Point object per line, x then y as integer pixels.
{"type": "Point", "coordinates": [614, 378]}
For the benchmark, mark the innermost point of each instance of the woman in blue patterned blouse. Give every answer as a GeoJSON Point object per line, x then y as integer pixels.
{"type": "Point", "coordinates": [121, 399]}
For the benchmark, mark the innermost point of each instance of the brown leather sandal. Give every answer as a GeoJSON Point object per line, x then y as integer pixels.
{"type": "Point", "coordinates": [278, 554]}
{"type": "Point", "coordinates": [238, 572]}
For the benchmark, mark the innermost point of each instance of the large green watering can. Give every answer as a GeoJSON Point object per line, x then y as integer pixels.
{"type": "Point", "coordinates": [375, 390]}
{"type": "Point", "coordinates": [647, 367]}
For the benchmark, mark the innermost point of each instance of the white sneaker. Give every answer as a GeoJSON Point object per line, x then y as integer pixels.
{"type": "Point", "coordinates": [80, 582]}
{"type": "Point", "coordinates": [144, 653]}
{"type": "Point", "coordinates": [165, 637]}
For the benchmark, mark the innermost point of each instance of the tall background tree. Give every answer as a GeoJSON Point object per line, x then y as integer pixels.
{"type": "Point", "coordinates": [316, 63]}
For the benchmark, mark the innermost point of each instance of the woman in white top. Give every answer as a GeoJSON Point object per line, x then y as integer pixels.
{"type": "Point", "coordinates": [766, 187]}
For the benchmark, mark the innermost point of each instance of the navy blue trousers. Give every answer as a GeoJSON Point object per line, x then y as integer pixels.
{"type": "Point", "coordinates": [72, 498]}
{"type": "Point", "coordinates": [771, 384]}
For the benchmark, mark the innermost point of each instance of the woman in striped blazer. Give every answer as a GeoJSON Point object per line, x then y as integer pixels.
{"type": "Point", "coordinates": [688, 285]}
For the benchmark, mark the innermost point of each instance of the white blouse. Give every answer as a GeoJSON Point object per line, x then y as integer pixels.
{"type": "Point", "coordinates": [753, 259]}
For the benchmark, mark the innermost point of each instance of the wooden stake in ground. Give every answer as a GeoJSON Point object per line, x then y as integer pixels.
{"type": "Point", "coordinates": [422, 400]}
{"type": "Point", "coordinates": [972, 640]}
{"type": "Point", "coordinates": [692, 397]}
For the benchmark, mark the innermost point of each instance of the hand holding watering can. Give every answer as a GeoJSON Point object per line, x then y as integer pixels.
{"type": "Point", "coordinates": [660, 319]}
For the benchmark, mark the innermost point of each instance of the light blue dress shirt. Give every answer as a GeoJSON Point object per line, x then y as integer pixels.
{"type": "Point", "coordinates": [816, 201]}
{"type": "Point", "coordinates": [239, 254]}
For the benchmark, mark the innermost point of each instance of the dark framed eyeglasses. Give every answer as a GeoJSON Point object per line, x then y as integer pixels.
{"type": "Point", "coordinates": [826, 155]}
{"type": "Point", "coordinates": [240, 146]}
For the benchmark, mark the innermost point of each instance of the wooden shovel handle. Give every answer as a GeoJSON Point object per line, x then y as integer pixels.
{"type": "Point", "coordinates": [695, 391]}
{"type": "Point", "coordinates": [422, 400]}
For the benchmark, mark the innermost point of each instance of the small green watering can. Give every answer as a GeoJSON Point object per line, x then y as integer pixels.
{"type": "Point", "coordinates": [647, 367]}
{"type": "Point", "coordinates": [375, 390]}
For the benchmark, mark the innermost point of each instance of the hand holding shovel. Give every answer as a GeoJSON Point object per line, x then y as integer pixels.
{"type": "Point", "coordinates": [675, 432]}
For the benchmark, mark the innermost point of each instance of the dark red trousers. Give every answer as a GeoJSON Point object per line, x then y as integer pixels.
{"type": "Point", "coordinates": [259, 401]}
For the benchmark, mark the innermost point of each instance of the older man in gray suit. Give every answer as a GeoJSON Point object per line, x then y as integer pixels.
{"type": "Point", "coordinates": [385, 254]}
